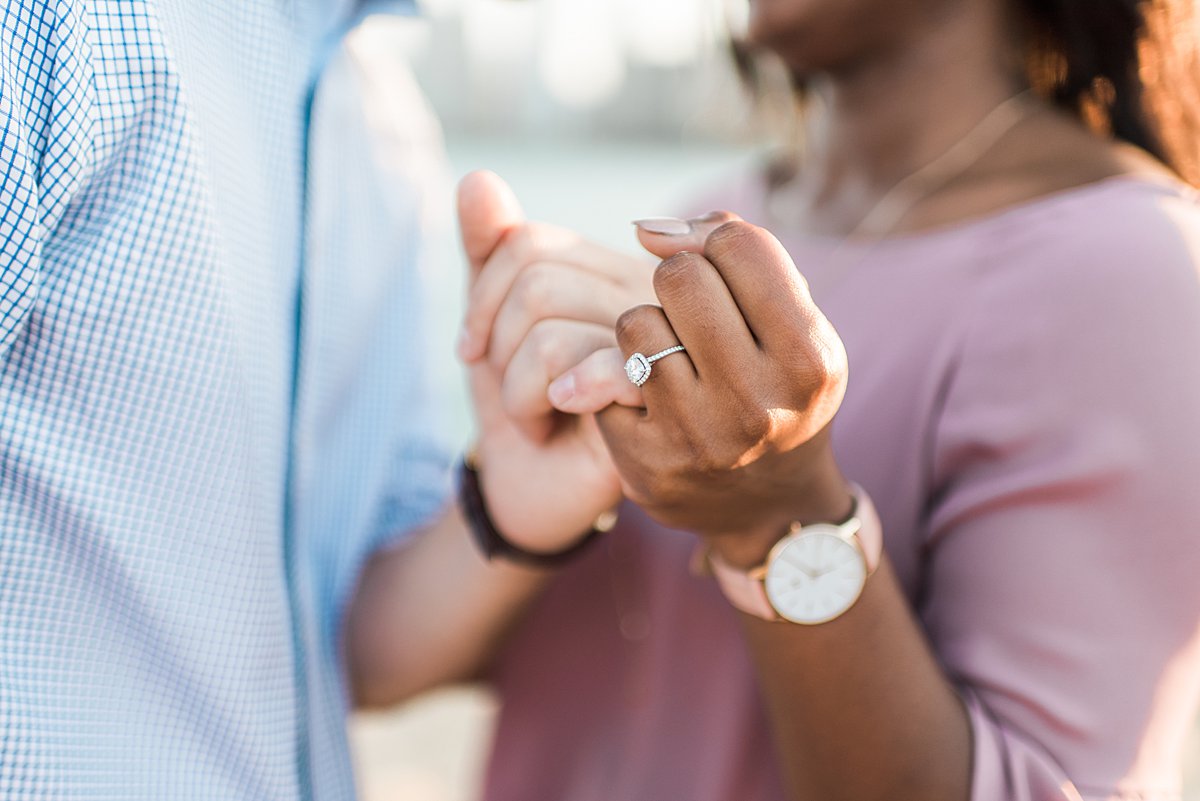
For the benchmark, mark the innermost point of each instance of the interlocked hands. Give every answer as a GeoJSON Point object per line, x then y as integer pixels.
{"type": "Point", "coordinates": [729, 439]}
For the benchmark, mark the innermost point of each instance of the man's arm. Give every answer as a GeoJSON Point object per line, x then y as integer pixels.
{"type": "Point", "coordinates": [430, 612]}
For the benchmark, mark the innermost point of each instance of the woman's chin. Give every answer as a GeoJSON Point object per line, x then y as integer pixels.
{"type": "Point", "coordinates": [769, 21]}
{"type": "Point", "coordinates": [785, 27]}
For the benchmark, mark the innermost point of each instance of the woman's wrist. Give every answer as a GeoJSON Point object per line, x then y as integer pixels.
{"type": "Point", "coordinates": [828, 499]}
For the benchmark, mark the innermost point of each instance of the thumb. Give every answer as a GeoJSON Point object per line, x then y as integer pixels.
{"type": "Point", "coordinates": [666, 236]}
{"type": "Point", "coordinates": [487, 210]}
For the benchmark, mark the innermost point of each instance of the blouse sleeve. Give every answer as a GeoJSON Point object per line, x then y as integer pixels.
{"type": "Point", "coordinates": [1064, 531]}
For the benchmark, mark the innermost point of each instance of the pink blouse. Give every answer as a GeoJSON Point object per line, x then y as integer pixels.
{"type": "Point", "coordinates": [1024, 408]}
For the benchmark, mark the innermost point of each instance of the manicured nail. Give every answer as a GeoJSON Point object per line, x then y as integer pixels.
{"type": "Point", "coordinates": [561, 390]}
{"type": "Point", "coordinates": [466, 346]}
{"type": "Point", "coordinates": [712, 216]}
{"type": "Point", "coordinates": [664, 226]}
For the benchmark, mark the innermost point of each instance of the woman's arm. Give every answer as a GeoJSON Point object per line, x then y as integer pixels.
{"type": "Point", "coordinates": [1057, 653]}
{"type": "Point", "coordinates": [734, 444]}
{"type": "Point", "coordinates": [859, 707]}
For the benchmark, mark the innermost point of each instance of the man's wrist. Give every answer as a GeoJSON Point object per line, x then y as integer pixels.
{"type": "Point", "coordinates": [496, 545]}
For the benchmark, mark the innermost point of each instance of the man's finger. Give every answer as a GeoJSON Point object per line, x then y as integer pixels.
{"type": "Point", "coordinates": [551, 349]}
{"type": "Point", "coordinates": [596, 383]}
{"type": "Point", "coordinates": [487, 210]}
{"type": "Point", "coordinates": [551, 292]}
{"type": "Point", "coordinates": [666, 236]}
{"type": "Point", "coordinates": [520, 248]}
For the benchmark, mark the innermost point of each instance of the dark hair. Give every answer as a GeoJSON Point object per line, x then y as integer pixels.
{"type": "Point", "coordinates": [1125, 67]}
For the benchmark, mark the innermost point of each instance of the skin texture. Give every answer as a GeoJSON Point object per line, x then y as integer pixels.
{"type": "Point", "coordinates": [728, 440]}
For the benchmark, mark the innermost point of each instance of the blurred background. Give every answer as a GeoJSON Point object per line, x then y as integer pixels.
{"type": "Point", "coordinates": [597, 112]}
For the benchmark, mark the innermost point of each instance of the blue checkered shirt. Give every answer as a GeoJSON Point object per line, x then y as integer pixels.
{"type": "Point", "coordinates": [214, 402]}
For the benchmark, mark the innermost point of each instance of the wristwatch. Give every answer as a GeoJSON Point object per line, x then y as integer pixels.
{"type": "Point", "coordinates": [814, 574]}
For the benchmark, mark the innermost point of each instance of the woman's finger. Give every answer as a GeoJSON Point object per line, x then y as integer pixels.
{"type": "Point", "coordinates": [668, 380]}
{"type": "Point", "coordinates": [704, 316]}
{"type": "Point", "coordinates": [551, 349]}
{"type": "Point", "coordinates": [666, 236]}
{"type": "Point", "coordinates": [546, 291]}
{"type": "Point", "coordinates": [597, 382]}
{"type": "Point", "coordinates": [763, 280]}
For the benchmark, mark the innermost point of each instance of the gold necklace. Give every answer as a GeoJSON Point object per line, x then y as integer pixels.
{"type": "Point", "coordinates": [886, 213]}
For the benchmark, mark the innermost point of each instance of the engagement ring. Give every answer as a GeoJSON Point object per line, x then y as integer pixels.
{"type": "Point", "coordinates": [639, 367]}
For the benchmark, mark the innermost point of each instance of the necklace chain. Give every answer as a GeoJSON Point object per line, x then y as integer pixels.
{"type": "Point", "coordinates": [887, 213]}
{"type": "Point", "coordinates": [882, 218]}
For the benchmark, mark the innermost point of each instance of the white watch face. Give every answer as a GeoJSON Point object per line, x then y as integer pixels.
{"type": "Point", "coordinates": [815, 575]}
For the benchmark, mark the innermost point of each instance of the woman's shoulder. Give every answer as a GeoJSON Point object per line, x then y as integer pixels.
{"type": "Point", "coordinates": [1127, 211]}
{"type": "Point", "coordinates": [1129, 240]}
{"type": "Point", "coordinates": [1125, 241]}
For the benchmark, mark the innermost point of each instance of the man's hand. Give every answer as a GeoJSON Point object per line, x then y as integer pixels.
{"type": "Point", "coordinates": [546, 476]}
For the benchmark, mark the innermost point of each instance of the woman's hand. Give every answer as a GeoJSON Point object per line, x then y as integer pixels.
{"type": "Point", "coordinates": [733, 442]}
{"type": "Point", "coordinates": [541, 300]}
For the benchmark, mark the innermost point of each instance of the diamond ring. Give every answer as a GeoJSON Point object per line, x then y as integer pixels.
{"type": "Point", "coordinates": [638, 367]}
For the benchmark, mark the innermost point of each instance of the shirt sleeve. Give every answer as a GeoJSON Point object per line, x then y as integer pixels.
{"type": "Point", "coordinates": [20, 238]}
{"type": "Point", "coordinates": [402, 143]}
{"type": "Point", "coordinates": [1063, 555]}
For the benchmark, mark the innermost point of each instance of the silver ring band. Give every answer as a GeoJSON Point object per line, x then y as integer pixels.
{"type": "Point", "coordinates": [639, 367]}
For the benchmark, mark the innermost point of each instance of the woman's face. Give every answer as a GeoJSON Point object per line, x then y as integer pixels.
{"type": "Point", "coordinates": [818, 35]}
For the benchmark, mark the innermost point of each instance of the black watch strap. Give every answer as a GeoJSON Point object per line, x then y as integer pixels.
{"type": "Point", "coordinates": [493, 544]}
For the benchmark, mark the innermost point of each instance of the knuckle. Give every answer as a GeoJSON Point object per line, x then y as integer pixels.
{"type": "Point", "coordinates": [707, 457]}
{"type": "Point", "coordinates": [750, 428]}
{"type": "Point", "coordinates": [542, 240]}
{"type": "Point", "coordinates": [819, 358]}
{"type": "Point", "coordinates": [832, 373]}
{"type": "Point", "coordinates": [590, 377]}
{"type": "Point", "coordinates": [731, 237]}
{"type": "Point", "coordinates": [534, 288]}
{"type": "Point", "coordinates": [634, 324]}
{"type": "Point", "coordinates": [512, 399]}
{"type": "Point", "coordinates": [546, 344]}
{"type": "Point", "coordinates": [521, 242]}
{"type": "Point", "coordinates": [719, 217]}
{"type": "Point", "coordinates": [661, 486]}
{"type": "Point", "coordinates": [674, 275]}
{"type": "Point", "coordinates": [637, 493]}
{"type": "Point", "coordinates": [498, 355]}
{"type": "Point", "coordinates": [835, 364]}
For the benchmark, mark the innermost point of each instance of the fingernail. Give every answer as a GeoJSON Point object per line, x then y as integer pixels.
{"type": "Point", "coordinates": [466, 346]}
{"type": "Point", "coordinates": [665, 226]}
{"type": "Point", "coordinates": [561, 390]}
{"type": "Point", "coordinates": [712, 216]}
